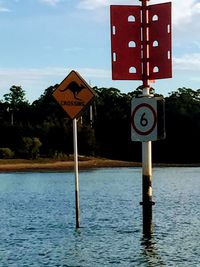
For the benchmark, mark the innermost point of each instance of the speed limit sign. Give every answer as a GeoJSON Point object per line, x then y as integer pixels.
{"type": "Point", "coordinates": [146, 119]}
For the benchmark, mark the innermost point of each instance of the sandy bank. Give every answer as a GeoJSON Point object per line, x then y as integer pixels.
{"type": "Point", "coordinates": [20, 165]}
{"type": "Point", "coordinates": [67, 165]}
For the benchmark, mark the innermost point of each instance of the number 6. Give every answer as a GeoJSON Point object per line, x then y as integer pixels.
{"type": "Point", "coordinates": [143, 120]}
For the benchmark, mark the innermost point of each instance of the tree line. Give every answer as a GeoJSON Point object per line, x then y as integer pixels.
{"type": "Point", "coordinates": [43, 129]}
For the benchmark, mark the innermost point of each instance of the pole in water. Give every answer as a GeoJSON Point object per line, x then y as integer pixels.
{"type": "Point", "coordinates": [147, 188]}
{"type": "Point", "coordinates": [146, 146]}
{"type": "Point", "coordinates": [76, 173]}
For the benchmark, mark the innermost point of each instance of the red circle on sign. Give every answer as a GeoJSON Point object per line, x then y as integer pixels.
{"type": "Point", "coordinates": [154, 116]}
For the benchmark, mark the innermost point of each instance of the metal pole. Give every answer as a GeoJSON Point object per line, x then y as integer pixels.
{"type": "Point", "coordinates": [12, 118]}
{"type": "Point", "coordinates": [76, 173]}
{"type": "Point", "coordinates": [147, 187]}
{"type": "Point", "coordinates": [145, 46]}
{"type": "Point", "coordinates": [146, 146]}
{"type": "Point", "coordinates": [91, 116]}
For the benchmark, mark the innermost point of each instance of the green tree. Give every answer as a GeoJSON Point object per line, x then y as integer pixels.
{"type": "Point", "coordinates": [30, 147]}
{"type": "Point", "coordinates": [52, 125]}
{"type": "Point", "coordinates": [17, 104]}
{"type": "Point", "coordinates": [112, 123]}
{"type": "Point", "coordinates": [15, 97]}
{"type": "Point", "coordinates": [182, 128]}
{"type": "Point", "coordinates": [6, 153]}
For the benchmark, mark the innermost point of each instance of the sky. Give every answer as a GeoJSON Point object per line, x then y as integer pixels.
{"type": "Point", "coordinates": [41, 41]}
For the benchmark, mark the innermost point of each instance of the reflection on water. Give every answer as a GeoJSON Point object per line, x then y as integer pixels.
{"type": "Point", "coordinates": [37, 218]}
{"type": "Point", "coordinates": [150, 252]}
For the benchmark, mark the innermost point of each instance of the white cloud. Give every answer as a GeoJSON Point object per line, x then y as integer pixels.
{"type": "Point", "coordinates": [94, 73]}
{"type": "Point", "coordinates": [35, 80]}
{"type": "Point", "coordinates": [51, 2]}
{"type": "Point", "coordinates": [188, 62]}
{"type": "Point", "coordinates": [37, 73]}
{"type": "Point", "coordinates": [4, 9]}
{"type": "Point", "coordinates": [183, 11]}
{"type": "Point", "coordinates": [95, 4]}
{"type": "Point", "coordinates": [92, 4]}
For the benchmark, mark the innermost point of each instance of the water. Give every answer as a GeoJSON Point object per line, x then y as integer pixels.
{"type": "Point", "coordinates": [37, 219]}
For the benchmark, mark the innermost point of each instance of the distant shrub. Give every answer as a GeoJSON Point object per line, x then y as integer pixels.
{"type": "Point", "coordinates": [60, 156]}
{"type": "Point", "coordinates": [6, 153]}
{"type": "Point", "coordinates": [35, 148]}
{"type": "Point", "coordinates": [29, 147]}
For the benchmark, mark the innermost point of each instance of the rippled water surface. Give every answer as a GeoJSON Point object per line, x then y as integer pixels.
{"type": "Point", "coordinates": [37, 219]}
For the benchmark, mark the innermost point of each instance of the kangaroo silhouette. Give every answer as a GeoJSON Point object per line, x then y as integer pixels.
{"type": "Point", "coordinates": [75, 88]}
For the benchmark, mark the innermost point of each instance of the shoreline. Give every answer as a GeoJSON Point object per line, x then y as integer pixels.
{"type": "Point", "coordinates": [61, 165]}
{"type": "Point", "coordinates": [85, 163]}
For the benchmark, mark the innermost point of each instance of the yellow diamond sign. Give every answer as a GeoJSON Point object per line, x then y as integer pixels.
{"type": "Point", "coordinates": [74, 94]}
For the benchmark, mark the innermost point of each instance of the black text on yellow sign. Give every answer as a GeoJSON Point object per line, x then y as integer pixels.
{"type": "Point", "coordinates": [74, 94]}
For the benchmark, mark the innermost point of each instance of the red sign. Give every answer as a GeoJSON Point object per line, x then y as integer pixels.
{"type": "Point", "coordinates": [126, 42]}
{"type": "Point", "coordinates": [160, 61]}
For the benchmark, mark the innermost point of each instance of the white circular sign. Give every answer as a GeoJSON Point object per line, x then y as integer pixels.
{"type": "Point", "coordinates": [143, 119]}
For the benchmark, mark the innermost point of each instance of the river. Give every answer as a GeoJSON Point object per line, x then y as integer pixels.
{"type": "Point", "coordinates": [37, 219]}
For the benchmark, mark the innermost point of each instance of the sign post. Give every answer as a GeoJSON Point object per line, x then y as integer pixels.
{"type": "Point", "coordinates": [141, 50]}
{"type": "Point", "coordinates": [74, 95]}
{"type": "Point", "coordinates": [146, 146]}
{"type": "Point", "coordinates": [76, 173]}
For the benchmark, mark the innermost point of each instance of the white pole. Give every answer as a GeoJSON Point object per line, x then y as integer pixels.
{"type": "Point", "coordinates": [147, 171]}
{"type": "Point", "coordinates": [91, 116]}
{"type": "Point", "coordinates": [147, 181]}
{"type": "Point", "coordinates": [146, 146]}
{"type": "Point", "coordinates": [147, 162]}
{"type": "Point", "coordinates": [76, 173]}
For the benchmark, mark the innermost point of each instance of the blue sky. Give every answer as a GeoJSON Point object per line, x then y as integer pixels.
{"type": "Point", "coordinates": [43, 40]}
